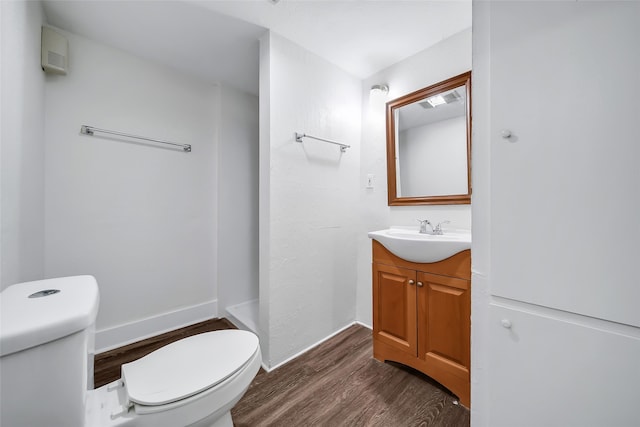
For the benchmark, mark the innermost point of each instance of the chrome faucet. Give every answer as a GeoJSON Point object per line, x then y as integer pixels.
{"type": "Point", "coordinates": [423, 226]}
{"type": "Point", "coordinates": [437, 230]}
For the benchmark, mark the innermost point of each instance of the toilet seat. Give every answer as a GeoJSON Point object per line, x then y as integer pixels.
{"type": "Point", "coordinates": [167, 377]}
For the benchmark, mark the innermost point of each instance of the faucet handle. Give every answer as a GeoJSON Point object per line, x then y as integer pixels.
{"type": "Point", "coordinates": [423, 225]}
{"type": "Point", "coordinates": [438, 228]}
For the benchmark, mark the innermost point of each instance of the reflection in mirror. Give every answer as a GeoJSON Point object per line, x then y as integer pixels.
{"type": "Point", "coordinates": [432, 146]}
{"type": "Point", "coordinates": [428, 145]}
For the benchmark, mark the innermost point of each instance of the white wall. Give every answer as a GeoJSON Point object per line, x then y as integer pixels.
{"type": "Point", "coordinates": [264, 198]}
{"type": "Point", "coordinates": [555, 214]}
{"type": "Point", "coordinates": [140, 217]}
{"type": "Point", "coordinates": [312, 208]}
{"type": "Point", "coordinates": [433, 158]}
{"type": "Point", "coordinates": [22, 144]}
{"type": "Point", "coordinates": [448, 58]}
{"type": "Point", "coordinates": [238, 198]}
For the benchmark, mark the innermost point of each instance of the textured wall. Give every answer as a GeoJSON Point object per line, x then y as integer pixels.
{"type": "Point", "coordinates": [312, 207]}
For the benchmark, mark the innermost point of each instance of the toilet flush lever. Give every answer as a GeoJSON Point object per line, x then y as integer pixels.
{"type": "Point", "coordinates": [506, 323]}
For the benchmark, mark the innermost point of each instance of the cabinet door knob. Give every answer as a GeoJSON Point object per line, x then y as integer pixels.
{"type": "Point", "coordinates": [411, 282]}
{"type": "Point", "coordinates": [420, 284]}
{"type": "Point", "coordinates": [506, 323]}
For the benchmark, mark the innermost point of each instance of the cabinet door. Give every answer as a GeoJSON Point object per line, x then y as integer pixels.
{"type": "Point", "coordinates": [444, 322]}
{"type": "Point", "coordinates": [394, 307]}
{"type": "Point", "coordinates": [556, 369]}
{"type": "Point", "coordinates": [548, 66]}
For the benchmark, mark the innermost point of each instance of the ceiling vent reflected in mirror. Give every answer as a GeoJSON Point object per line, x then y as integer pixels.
{"type": "Point", "coordinates": [441, 99]}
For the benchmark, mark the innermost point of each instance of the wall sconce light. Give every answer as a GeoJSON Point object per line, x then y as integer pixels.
{"type": "Point", "coordinates": [378, 95]}
{"type": "Point", "coordinates": [377, 90]}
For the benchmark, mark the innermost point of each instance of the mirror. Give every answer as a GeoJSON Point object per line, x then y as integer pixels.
{"type": "Point", "coordinates": [429, 145]}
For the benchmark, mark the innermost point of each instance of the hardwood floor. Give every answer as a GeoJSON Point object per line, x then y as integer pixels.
{"type": "Point", "coordinates": [337, 383]}
{"type": "Point", "coordinates": [106, 366]}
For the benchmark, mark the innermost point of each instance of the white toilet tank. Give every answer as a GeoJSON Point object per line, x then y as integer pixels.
{"type": "Point", "coordinates": [46, 349]}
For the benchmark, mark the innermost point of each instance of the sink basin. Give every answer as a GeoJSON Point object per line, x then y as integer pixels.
{"type": "Point", "coordinates": [412, 246]}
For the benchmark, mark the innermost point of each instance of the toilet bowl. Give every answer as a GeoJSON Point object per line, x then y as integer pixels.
{"type": "Point", "coordinates": [46, 367]}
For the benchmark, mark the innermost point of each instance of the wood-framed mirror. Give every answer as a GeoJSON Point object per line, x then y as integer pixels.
{"type": "Point", "coordinates": [429, 145]}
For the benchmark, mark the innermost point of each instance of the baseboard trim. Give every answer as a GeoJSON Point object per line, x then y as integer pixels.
{"type": "Point", "coordinates": [289, 359]}
{"type": "Point", "coordinates": [357, 322]}
{"type": "Point", "coordinates": [121, 335]}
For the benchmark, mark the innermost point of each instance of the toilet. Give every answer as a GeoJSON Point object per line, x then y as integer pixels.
{"type": "Point", "coordinates": [46, 367]}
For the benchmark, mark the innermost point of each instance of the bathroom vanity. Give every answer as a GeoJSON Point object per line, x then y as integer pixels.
{"type": "Point", "coordinates": [422, 277]}
{"type": "Point", "coordinates": [421, 315]}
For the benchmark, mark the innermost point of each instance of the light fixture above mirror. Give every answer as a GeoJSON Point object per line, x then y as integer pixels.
{"type": "Point", "coordinates": [382, 88]}
{"type": "Point", "coordinates": [378, 97]}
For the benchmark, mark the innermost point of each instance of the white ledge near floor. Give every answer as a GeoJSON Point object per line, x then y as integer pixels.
{"type": "Point", "coordinates": [244, 315]}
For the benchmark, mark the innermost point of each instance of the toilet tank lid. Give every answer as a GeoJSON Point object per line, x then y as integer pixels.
{"type": "Point", "coordinates": [34, 313]}
{"type": "Point", "coordinates": [188, 366]}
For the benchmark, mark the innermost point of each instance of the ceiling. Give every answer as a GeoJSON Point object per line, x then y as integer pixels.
{"type": "Point", "coordinates": [217, 40]}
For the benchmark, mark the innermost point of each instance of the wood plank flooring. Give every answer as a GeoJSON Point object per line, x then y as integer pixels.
{"type": "Point", "coordinates": [106, 366]}
{"type": "Point", "coordinates": [337, 383]}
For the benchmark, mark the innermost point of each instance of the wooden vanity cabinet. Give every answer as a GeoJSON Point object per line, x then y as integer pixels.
{"type": "Point", "coordinates": [422, 316]}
